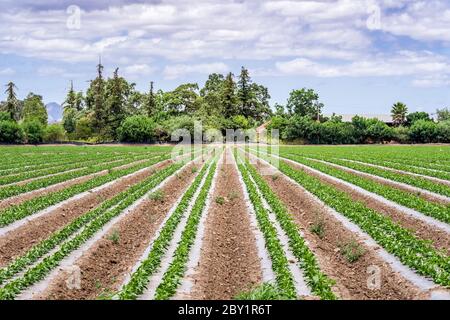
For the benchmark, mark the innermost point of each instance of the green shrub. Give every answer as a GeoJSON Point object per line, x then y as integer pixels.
{"type": "Point", "coordinates": [54, 133]}
{"type": "Point", "coordinates": [139, 129]}
{"type": "Point", "coordinates": [416, 116]}
{"type": "Point", "coordinates": [318, 227]}
{"type": "Point", "coordinates": [380, 132]}
{"type": "Point", "coordinates": [423, 131]}
{"type": "Point", "coordinates": [69, 120]}
{"type": "Point", "coordinates": [401, 134]}
{"type": "Point", "coordinates": [158, 195]}
{"type": "Point", "coordinates": [34, 131]}
{"type": "Point", "coordinates": [10, 132]}
{"type": "Point", "coordinates": [352, 251]}
{"type": "Point", "coordinates": [114, 237]}
{"type": "Point", "coordinates": [220, 200]}
{"type": "Point", "coordinates": [83, 128]}
{"type": "Point", "coordinates": [240, 122]}
{"type": "Point", "coordinates": [443, 131]}
{"type": "Point", "coordinates": [5, 116]}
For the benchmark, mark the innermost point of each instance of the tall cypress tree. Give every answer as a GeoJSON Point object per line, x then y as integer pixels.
{"type": "Point", "coordinates": [71, 99]}
{"type": "Point", "coordinates": [115, 103]}
{"type": "Point", "coordinates": [150, 102]}
{"type": "Point", "coordinates": [99, 91]}
{"type": "Point", "coordinates": [11, 101]}
{"type": "Point", "coordinates": [95, 101]}
{"type": "Point", "coordinates": [229, 96]}
{"type": "Point", "coordinates": [245, 92]}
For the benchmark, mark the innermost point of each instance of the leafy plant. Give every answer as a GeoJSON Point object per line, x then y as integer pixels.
{"type": "Point", "coordinates": [114, 237]}
{"type": "Point", "coordinates": [416, 253]}
{"type": "Point", "coordinates": [352, 251]}
{"type": "Point", "coordinates": [266, 291]}
{"type": "Point", "coordinates": [40, 270]}
{"type": "Point", "coordinates": [139, 279]}
{"type": "Point", "coordinates": [220, 200]}
{"type": "Point", "coordinates": [233, 195]}
{"type": "Point", "coordinates": [318, 227]}
{"type": "Point", "coordinates": [158, 195]}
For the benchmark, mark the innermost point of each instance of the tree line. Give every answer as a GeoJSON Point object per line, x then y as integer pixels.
{"type": "Point", "coordinates": [301, 121]}
{"type": "Point", "coordinates": [112, 109]}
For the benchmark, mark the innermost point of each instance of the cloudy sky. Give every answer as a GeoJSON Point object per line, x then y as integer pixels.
{"type": "Point", "coordinates": [360, 55]}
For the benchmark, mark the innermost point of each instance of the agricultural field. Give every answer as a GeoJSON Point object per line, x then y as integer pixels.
{"type": "Point", "coordinates": [222, 222]}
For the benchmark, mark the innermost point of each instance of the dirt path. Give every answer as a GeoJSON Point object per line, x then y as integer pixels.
{"type": "Point", "coordinates": [104, 266]}
{"type": "Point", "coordinates": [18, 241]}
{"type": "Point", "coordinates": [351, 277]}
{"type": "Point", "coordinates": [439, 238]}
{"type": "Point", "coordinates": [229, 262]}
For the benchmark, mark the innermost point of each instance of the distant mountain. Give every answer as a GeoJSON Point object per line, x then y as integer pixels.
{"type": "Point", "coordinates": [55, 112]}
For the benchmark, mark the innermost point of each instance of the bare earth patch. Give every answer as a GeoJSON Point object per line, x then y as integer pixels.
{"type": "Point", "coordinates": [394, 184]}
{"type": "Point", "coordinates": [351, 277]}
{"type": "Point", "coordinates": [105, 265]}
{"type": "Point", "coordinates": [439, 238]}
{"type": "Point", "coordinates": [229, 262]}
{"type": "Point", "coordinates": [17, 242]}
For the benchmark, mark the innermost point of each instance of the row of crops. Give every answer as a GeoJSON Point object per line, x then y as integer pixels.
{"type": "Point", "coordinates": [42, 180]}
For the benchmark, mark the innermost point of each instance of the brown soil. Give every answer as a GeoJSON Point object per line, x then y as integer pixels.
{"type": "Point", "coordinates": [410, 174]}
{"type": "Point", "coordinates": [351, 278]}
{"type": "Point", "coordinates": [17, 242]}
{"type": "Point", "coordinates": [105, 265]}
{"type": "Point", "coordinates": [439, 238]}
{"type": "Point", "coordinates": [26, 181]}
{"type": "Point", "coordinates": [16, 200]}
{"type": "Point", "coordinates": [229, 262]}
{"type": "Point", "coordinates": [393, 184]}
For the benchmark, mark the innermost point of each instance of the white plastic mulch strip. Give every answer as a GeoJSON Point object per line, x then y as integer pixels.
{"type": "Point", "coordinates": [185, 288]}
{"type": "Point", "coordinates": [403, 185]}
{"type": "Point", "coordinates": [297, 273]}
{"type": "Point", "coordinates": [19, 223]}
{"type": "Point", "coordinates": [438, 180]}
{"type": "Point", "coordinates": [419, 281]}
{"type": "Point", "coordinates": [266, 264]}
{"type": "Point", "coordinates": [156, 278]}
{"type": "Point", "coordinates": [70, 261]}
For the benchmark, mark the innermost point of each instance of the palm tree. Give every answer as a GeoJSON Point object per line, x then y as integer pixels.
{"type": "Point", "coordinates": [398, 112]}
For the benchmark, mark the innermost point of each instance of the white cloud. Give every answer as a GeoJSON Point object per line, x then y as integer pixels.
{"type": "Point", "coordinates": [428, 68]}
{"type": "Point", "coordinates": [322, 38]}
{"type": "Point", "coordinates": [421, 20]}
{"type": "Point", "coordinates": [51, 71]}
{"type": "Point", "coordinates": [432, 81]}
{"type": "Point", "coordinates": [7, 72]}
{"type": "Point", "coordinates": [136, 70]}
{"type": "Point", "coordinates": [181, 70]}
{"type": "Point", "coordinates": [180, 31]}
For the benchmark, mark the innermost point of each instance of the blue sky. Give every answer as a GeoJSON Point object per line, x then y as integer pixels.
{"type": "Point", "coordinates": [360, 55]}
